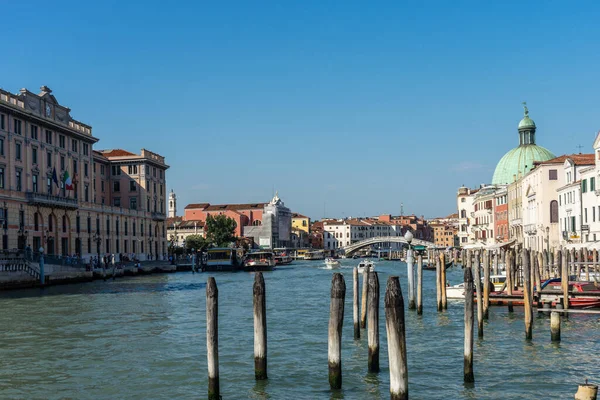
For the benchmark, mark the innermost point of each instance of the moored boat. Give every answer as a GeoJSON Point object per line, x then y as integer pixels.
{"type": "Point", "coordinates": [282, 259]}
{"type": "Point", "coordinates": [259, 261]}
{"type": "Point", "coordinates": [552, 293]}
{"type": "Point", "coordinates": [219, 259]}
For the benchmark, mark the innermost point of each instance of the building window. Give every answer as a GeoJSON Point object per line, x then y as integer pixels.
{"type": "Point", "coordinates": [553, 211]}
{"type": "Point", "coordinates": [74, 146]}
{"type": "Point", "coordinates": [133, 169]}
{"type": "Point", "coordinates": [117, 202]}
{"type": "Point", "coordinates": [584, 186]}
{"type": "Point", "coordinates": [34, 157]}
{"type": "Point", "coordinates": [101, 169]}
{"type": "Point", "coordinates": [552, 174]}
{"type": "Point", "coordinates": [48, 159]}
{"type": "Point", "coordinates": [18, 180]}
{"type": "Point", "coordinates": [86, 192]}
{"type": "Point", "coordinates": [1, 146]}
{"type": "Point", "coordinates": [78, 224]}
{"type": "Point", "coordinates": [85, 170]}
{"type": "Point", "coordinates": [86, 149]}
{"type": "Point", "coordinates": [2, 122]}
{"type": "Point", "coordinates": [116, 186]}
{"type": "Point", "coordinates": [34, 181]}
{"type": "Point", "coordinates": [34, 131]}
{"type": "Point", "coordinates": [75, 169]}
{"type": "Point", "coordinates": [102, 186]}
{"type": "Point", "coordinates": [132, 186]}
{"type": "Point", "coordinates": [592, 184]}
{"type": "Point", "coordinates": [36, 222]}
{"type": "Point", "coordinates": [48, 136]}
{"type": "Point", "coordinates": [61, 141]}
{"type": "Point", "coordinates": [17, 125]}
{"type": "Point", "coordinates": [62, 163]}
{"type": "Point", "coordinates": [116, 170]}
{"type": "Point", "coordinates": [17, 151]}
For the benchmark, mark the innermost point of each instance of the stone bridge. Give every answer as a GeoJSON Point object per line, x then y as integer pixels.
{"type": "Point", "coordinates": [383, 239]}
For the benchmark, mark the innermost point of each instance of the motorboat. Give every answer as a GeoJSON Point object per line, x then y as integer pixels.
{"type": "Point", "coordinates": [219, 259]}
{"type": "Point", "coordinates": [259, 261]}
{"type": "Point", "coordinates": [283, 259]}
{"type": "Point", "coordinates": [552, 293]}
{"type": "Point", "coordinates": [332, 263]}
{"type": "Point", "coordinates": [458, 291]}
{"type": "Point", "coordinates": [365, 264]}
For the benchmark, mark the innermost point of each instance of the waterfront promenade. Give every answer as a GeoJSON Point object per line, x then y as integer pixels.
{"type": "Point", "coordinates": [144, 337]}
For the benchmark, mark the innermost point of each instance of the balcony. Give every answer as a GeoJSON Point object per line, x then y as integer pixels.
{"type": "Point", "coordinates": [158, 216]}
{"type": "Point", "coordinates": [530, 229]}
{"type": "Point", "coordinates": [46, 200]}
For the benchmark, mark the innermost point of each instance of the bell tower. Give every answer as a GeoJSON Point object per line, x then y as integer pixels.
{"type": "Point", "coordinates": [172, 205]}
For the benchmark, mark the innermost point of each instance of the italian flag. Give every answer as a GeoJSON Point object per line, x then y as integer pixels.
{"type": "Point", "coordinates": [67, 180]}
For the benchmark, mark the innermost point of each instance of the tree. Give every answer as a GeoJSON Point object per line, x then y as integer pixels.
{"type": "Point", "coordinates": [220, 230]}
{"type": "Point", "coordinates": [196, 242]}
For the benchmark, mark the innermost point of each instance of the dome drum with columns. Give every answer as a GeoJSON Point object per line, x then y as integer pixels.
{"type": "Point", "coordinates": [518, 161]}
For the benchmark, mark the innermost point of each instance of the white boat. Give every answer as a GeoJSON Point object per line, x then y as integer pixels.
{"type": "Point", "coordinates": [332, 263]}
{"type": "Point", "coordinates": [364, 264]}
{"type": "Point", "coordinates": [458, 291]}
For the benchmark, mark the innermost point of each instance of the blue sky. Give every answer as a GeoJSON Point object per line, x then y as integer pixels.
{"type": "Point", "coordinates": [346, 108]}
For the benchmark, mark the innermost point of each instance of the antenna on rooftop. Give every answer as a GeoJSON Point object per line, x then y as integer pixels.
{"type": "Point", "coordinates": [579, 147]}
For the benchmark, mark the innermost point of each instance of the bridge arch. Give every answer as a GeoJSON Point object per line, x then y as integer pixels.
{"type": "Point", "coordinates": [354, 247]}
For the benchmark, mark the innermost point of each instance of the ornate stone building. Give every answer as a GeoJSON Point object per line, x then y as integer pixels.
{"type": "Point", "coordinates": [58, 193]}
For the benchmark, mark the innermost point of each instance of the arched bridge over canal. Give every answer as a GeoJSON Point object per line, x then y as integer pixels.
{"type": "Point", "coordinates": [384, 239]}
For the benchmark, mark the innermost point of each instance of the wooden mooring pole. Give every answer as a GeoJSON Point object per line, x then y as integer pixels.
{"type": "Point", "coordinates": [564, 279]}
{"type": "Point", "coordinates": [468, 351]}
{"type": "Point", "coordinates": [396, 337]}
{"type": "Point", "coordinates": [508, 265]}
{"type": "Point", "coordinates": [443, 280]}
{"type": "Point", "coordinates": [527, 295]}
{"type": "Point", "coordinates": [438, 282]}
{"type": "Point", "coordinates": [355, 303]}
{"type": "Point", "coordinates": [336, 320]}
{"type": "Point", "coordinates": [373, 317]}
{"type": "Point", "coordinates": [555, 326]}
{"type": "Point", "coordinates": [260, 327]}
{"type": "Point", "coordinates": [478, 290]}
{"type": "Point", "coordinates": [363, 300]}
{"type": "Point", "coordinates": [212, 338]}
{"type": "Point", "coordinates": [486, 284]}
{"type": "Point", "coordinates": [420, 284]}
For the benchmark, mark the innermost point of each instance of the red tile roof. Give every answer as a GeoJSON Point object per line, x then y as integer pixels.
{"type": "Point", "coordinates": [116, 153]}
{"type": "Point", "coordinates": [235, 207]}
{"type": "Point", "coordinates": [578, 159]}
{"type": "Point", "coordinates": [201, 206]}
{"type": "Point", "coordinates": [296, 215]}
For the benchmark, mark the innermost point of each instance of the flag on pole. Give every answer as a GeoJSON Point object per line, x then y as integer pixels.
{"type": "Point", "coordinates": [54, 177]}
{"type": "Point", "coordinates": [67, 181]}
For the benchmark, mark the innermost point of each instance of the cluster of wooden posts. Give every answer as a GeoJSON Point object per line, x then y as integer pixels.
{"type": "Point", "coordinates": [523, 268]}
{"type": "Point", "coordinates": [394, 310]}
{"type": "Point", "coordinates": [526, 269]}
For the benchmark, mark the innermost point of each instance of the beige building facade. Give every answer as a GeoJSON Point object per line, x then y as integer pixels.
{"type": "Point", "coordinates": [116, 201]}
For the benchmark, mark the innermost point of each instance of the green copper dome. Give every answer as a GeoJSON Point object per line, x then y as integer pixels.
{"type": "Point", "coordinates": [518, 161]}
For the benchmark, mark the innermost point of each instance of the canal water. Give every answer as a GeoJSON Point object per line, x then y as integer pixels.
{"type": "Point", "coordinates": [145, 338]}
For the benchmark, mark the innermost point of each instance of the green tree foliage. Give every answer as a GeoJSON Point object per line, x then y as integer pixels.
{"type": "Point", "coordinates": [196, 242]}
{"type": "Point", "coordinates": [220, 230]}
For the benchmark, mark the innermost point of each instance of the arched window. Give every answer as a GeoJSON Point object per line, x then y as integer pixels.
{"type": "Point", "coordinates": [553, 211]}
{"type": "Point", "coordinates": [463, 213]}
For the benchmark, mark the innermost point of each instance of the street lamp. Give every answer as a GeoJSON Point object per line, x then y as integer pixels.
{"type": "Point", "coordinates": [408, 236]}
